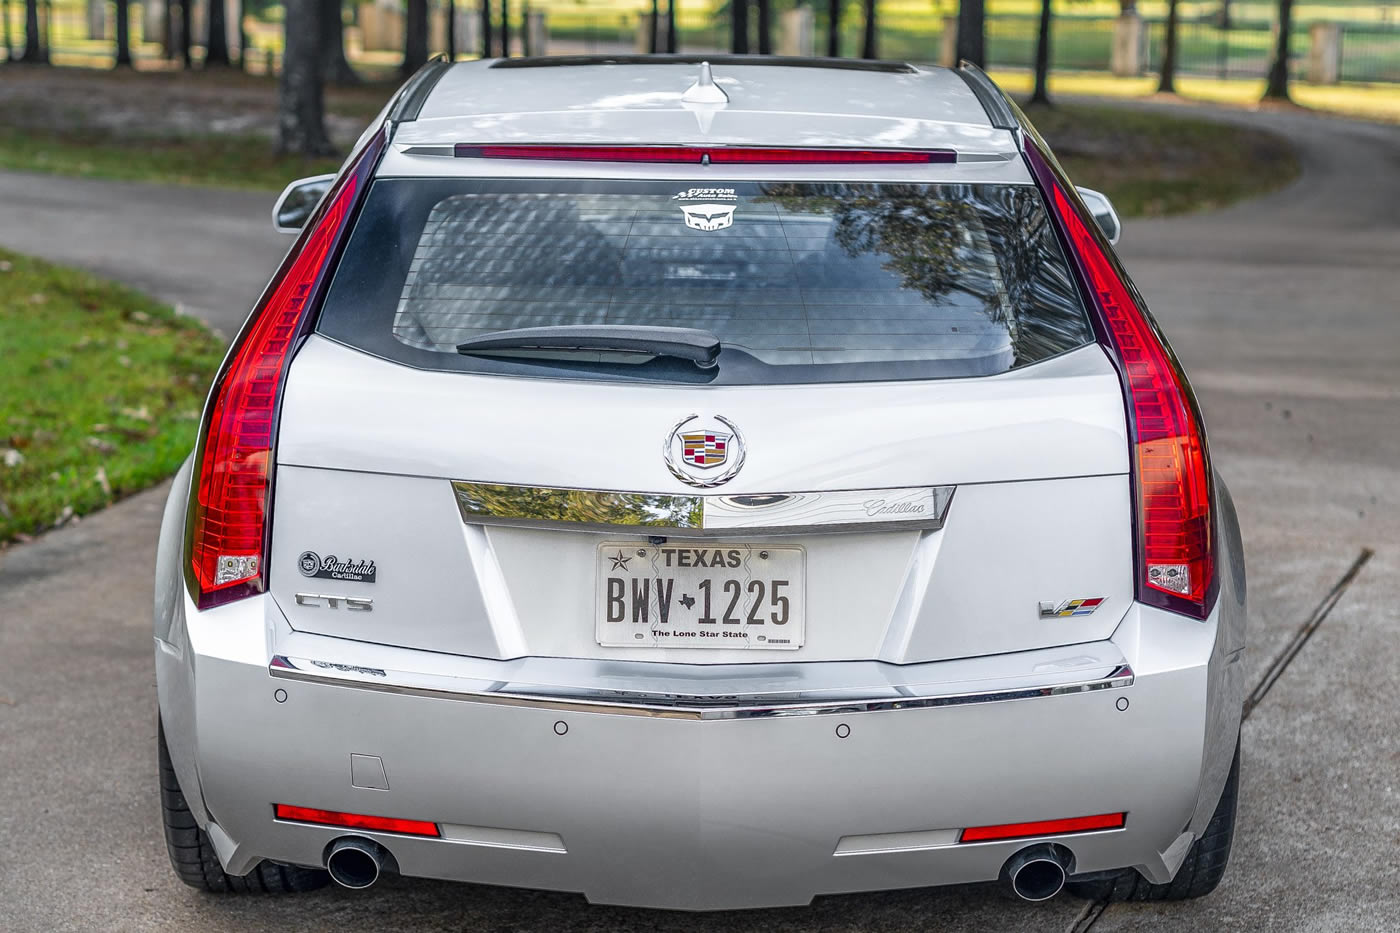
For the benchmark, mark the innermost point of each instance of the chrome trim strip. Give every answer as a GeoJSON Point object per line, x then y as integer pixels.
{"type": "Point", "coordinates": [701, 516]}
{"type": "Point", "coordinates": [655, 706]}
{"type": "Point", "coordinates": [448, 151]}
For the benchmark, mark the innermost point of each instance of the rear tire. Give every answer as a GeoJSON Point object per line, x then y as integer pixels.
{"type": "Point", "coordinates": [192, 853]}
{"type": "Point", "coordinates": [1199, 874]}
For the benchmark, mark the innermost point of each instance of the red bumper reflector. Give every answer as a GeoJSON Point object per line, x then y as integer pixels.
{"type": "Point", "coordinates": [382, 824]}
{"type": "Point", "coordinates": [1080, 824]}
{"type": "Point", "coordinates": [720, 155]}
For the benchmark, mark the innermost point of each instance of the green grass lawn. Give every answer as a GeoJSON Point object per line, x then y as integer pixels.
{"type": "Point", "coordinates": [1152, 164]}
{"type": "Point", "coordinates": [218, 161]}
{"type": "Point", "coordinates": [100, 392]}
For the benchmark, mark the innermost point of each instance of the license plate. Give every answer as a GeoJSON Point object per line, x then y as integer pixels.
{"type": "Point", "coordinates": [702, 595]}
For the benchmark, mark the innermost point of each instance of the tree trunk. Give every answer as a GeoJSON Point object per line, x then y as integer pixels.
{"type": "Point", "coordinates": [301, 119]}
{"type": "Point", "coordinates": [739, 26]}
{"type": "Point", "coordinates": [1168, 83]}
{"type": "Point", "coordinates": [335, 67]}
{"type": "Point", "coordinates": [833, 28]}
{"type": "Point", "coordinates": [452, 30]}
{"type": "Point", "coordinates": [486, 51]}
{"type": "Point", "coordinates": [972, 32]}
{"type": "Point", "coordinates": [867, 45]}
{"type": "Point", "coordinates": [671, 26]}
{"type": "Point", "coordinates": [765, 27]}
{"type": "Point", "coordinates": [652, 39]}
{"type": "Point", "coordinates": [1127, 6]}
{"type": "Point", "coordinates": [1041, 94]}
{"type": "Point", "coordinates": [185, 39]}
{"type": "Point", "coordinates": [216, 43]}
{"type": "Point", "coordinates": [505, 28]}
{"type": "Point", "coordinates": [35, 51]}
{"type": "Point", "coordinates": [123, 34]}
{"type": "Point", "coordinates": [242, 37]}
{"type": "Point", "coordinates": [415, 36]}
{"type": "Point", "coordinates": [1278, 70]}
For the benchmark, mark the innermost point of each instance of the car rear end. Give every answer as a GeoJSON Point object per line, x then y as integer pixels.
{"type": "Point", "coordinates": [927, 568]}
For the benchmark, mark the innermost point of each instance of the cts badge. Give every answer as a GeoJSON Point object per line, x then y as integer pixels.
{"type": "Point", "coordinates": [318, 600]}
{"type": "Point", "coordinates": [704, 452]}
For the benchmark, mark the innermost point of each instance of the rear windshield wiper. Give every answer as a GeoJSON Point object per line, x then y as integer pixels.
{"type": "Point", "coordinates": [687, 343]}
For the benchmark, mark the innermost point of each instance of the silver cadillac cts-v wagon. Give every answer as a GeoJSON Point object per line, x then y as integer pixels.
{"type": "Point", "coordinates": [700, 484]}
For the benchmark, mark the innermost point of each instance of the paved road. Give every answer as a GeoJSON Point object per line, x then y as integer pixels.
{"type": "Point", "coordinates": [1286, 312]}
{"type": "Point", "coordinates": [207, 252]}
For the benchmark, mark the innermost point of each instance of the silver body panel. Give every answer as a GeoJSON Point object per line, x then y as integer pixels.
{"type": "Point", "coordinates": [1026, 451]}
{"type": "Point", "coordinates": [929, 695]}
{"type": "Point", "coordinates": [506, 782]}
{"type": "Point", "coordinates": [507, 787]}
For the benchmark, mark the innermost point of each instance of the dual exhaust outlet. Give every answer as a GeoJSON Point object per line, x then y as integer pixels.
{"type": "Point", "coordinates": [1038, 872]}
{"type": "Point", "coordinates": [356, 863]}
{"type": "Point", "coordinates": [1035, 873]}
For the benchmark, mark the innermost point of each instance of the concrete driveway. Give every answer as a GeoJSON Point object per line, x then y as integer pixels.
{"type": "Point", "coordinates": [1286, 311]}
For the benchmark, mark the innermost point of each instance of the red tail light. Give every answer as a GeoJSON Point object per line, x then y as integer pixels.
{"type": "Point", "coordinates": [386, 824]}
{"type": "Point", "coordinates": [1079, 824]}
{"type": "Point", "coordinates": [1172, 478]}
{"type": "Point", "coordinates": [228, 537]}
{"type": "Point", "coordinates": [720, 155]}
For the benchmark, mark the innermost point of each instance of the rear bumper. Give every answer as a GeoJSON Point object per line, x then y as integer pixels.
{"type": "Point", "coordinates": [659, 805]}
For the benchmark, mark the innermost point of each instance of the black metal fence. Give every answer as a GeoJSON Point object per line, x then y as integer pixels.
{"type": "Point", "coordinates": [1367, 52]}
{"type": "Point", "coordinates": [1370, 53]}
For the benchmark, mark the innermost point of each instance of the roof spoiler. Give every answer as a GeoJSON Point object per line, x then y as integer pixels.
{"type": "Point", "coordinates": [416, 90]}
{"type": "Point", "coordinates": [990, 96]}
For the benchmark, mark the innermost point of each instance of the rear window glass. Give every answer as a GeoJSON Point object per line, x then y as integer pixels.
{"type": "Point", "coordinates": [800, 282]}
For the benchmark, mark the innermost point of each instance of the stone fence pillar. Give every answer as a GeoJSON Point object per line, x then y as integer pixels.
{"type": "Point", "coordinates": [1324, 53]}
{"type": "Point", "coordinates": [948, 43]}
{"type": "Point", "coordinates": [153, 20]}
{"type": "Point", "coordinates": [797, 32]}
{"type": "Point", "coordinates": [468, 30]}
{"type": "Point", "coordinates": [537, 27]}
{"type": "Point", "coordinates": [381, 28]}
{"type": "Point", "coordinates": [97, 19]}
{"type": "Point", "coordinates": [644, 27]}
{"type": "Point", "coordinates": [1128, 57]}
{"type": "Point", "coordinates": [437, 29]}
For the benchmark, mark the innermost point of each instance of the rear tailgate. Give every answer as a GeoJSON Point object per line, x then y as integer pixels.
{"type": "Point", "coordinates": [1040, 508]}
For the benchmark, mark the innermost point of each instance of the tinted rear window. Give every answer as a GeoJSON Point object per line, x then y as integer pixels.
{"type": "Point", "coordinates": [801, 282]}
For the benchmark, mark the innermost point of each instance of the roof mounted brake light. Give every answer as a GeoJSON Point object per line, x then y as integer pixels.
{"type": "Point", "coordinates": [710, 155]}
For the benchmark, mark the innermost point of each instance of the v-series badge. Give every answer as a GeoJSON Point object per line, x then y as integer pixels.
{"type": "Point", "coordinates": [312, 564]}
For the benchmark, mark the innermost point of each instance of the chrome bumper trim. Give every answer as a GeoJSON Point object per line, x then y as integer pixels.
{"type": "Point", "coordinates": [667, 706]}
{"type": "Point", "coordinates": [699, 516]}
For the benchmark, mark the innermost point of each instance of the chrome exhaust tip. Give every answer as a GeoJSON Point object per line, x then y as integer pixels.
{"type": "Point", "coordinates": [1038, 872]}
{"type": "Point", "coordinates": [354, 862]}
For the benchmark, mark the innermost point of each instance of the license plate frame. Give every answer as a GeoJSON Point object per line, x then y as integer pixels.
{"type": "Point", "coordinates": [768, 612]}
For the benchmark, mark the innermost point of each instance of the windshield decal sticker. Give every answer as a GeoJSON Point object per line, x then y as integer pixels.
{"type": "Point", "coordinates": [704, 208]}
